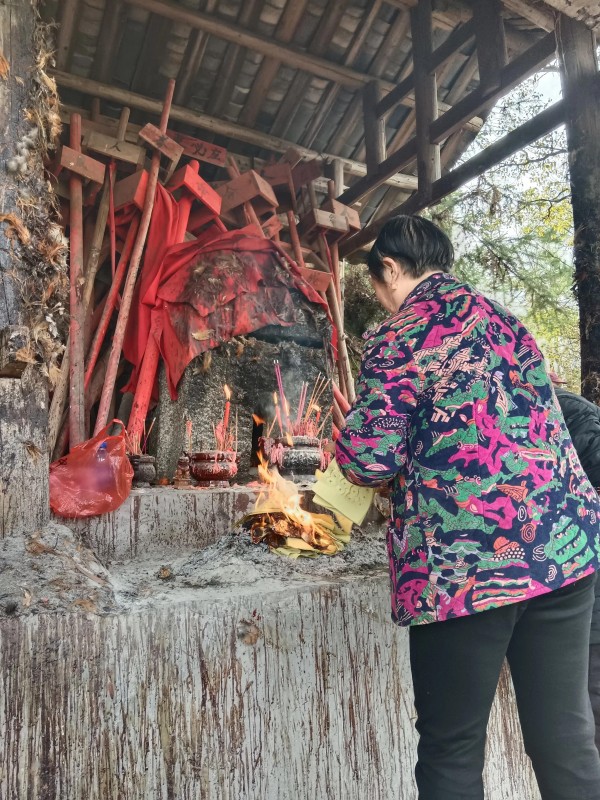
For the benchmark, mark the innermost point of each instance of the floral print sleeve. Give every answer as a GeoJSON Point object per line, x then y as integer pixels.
{"type": "Point", "coordinates": [372, 447]}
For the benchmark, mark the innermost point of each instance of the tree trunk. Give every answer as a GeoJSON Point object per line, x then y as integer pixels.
{"type": "Point", "coordinates": [23, 391]}
{"type": "Point", "coordinates": [579, 68]}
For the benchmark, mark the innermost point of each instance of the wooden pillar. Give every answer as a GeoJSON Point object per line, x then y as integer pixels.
{"type": "Point", "coordinates": [579, 70]}
{"type": "Point", "coordinates": [426, 106]}
{"type": "Point", "coordinates": [490, 40]}
{"type": "Point", "coordinates": [23, 391]}
{"type": "Point", "coordinates": [375, 146]}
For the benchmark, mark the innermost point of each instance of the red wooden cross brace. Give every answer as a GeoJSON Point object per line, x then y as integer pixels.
{"type": "Point", "coordinates": [160, 142]}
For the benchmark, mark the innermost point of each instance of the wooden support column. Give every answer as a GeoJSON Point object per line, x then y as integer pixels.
{"type": "Point", "coordinates": [426, 108]}
{"type": "Point", "coordinates": [375, 149]}
{"type": "Point", "coordinates": [579, 71]}
{"type": "Point", "coordinates": [24, 505]}
{"type": "Point", "coordinates": [491, 42]}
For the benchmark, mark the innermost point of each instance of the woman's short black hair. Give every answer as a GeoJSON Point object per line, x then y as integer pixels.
{"type": "Point", "coordinates": [415, 242]}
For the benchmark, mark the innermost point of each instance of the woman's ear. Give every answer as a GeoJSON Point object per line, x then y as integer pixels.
{"type": "Point", "coordinates": [392, 268]}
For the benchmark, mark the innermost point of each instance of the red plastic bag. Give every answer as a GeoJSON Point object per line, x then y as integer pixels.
{"type": "Point", "coordinates": [94, 478]}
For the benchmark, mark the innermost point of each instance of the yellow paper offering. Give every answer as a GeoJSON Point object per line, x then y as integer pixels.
{"type": "Point", "coordinates": [345, 499]}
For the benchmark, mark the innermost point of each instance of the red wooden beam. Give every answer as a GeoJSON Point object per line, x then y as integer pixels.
{"type": "Point", "coordinates": [136, 257]}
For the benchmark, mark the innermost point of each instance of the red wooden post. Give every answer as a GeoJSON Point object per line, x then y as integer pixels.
{"type": "Point", "coordinates": [136, 256]}
{"type": "Point", "coordinates": [77, 353]}
{"type": "Point", "coordinates": [295, 239]}
{"type": "Point", "coordinates": [111, 302]}
{"type": "Point", "coordinates": [147, 376]}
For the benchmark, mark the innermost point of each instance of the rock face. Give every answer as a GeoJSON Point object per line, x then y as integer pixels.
{"type": "Point", "coordinates": [247, 368]}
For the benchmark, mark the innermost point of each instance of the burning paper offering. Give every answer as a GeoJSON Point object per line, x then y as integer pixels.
{"type": "Point", "coordinates": [279, 521]}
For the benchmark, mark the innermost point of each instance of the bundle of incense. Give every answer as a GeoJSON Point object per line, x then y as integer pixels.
{"type": "Point", "coordinates": [188, 434]}
{"type": "Point", "coordinates": [284, 403]}
{"type": "Point", "coordinates": [301, 402]}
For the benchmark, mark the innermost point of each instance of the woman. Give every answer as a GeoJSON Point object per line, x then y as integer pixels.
{"type": "Point", "coordinates": [494, 536]}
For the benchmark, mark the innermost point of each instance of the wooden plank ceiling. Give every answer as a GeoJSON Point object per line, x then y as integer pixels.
{"type": "Point", "coordinates": [257, 76]}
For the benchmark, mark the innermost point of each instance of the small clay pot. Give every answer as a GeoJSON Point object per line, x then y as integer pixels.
{"type": "Point", "coordinates": [144, 470]}
{"type": "Point", "coordinates": [302, 457]}
{"type": "Point", "coordinates": [212, 468]}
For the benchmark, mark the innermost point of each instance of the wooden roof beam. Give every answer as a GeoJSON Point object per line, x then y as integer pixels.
{"type": "Point", "coordinates": [263, 141]}
{"type": "Point", "coordinates": [532, 13]}
{"type": "Point", "coordinates": [328, 23]}
{"type": "Point", "coordinates": [284, 32]}
{"type": "Point", "coordinates": [286, 54]}
{"type": "Point", "coordinates": [494, 154]}
{"type": "Point", "coordinates": [510, 76]}
{"type": "Point", "coordinates": [328, 99]}
{"type": "Point", "coordinates": [514, 73]}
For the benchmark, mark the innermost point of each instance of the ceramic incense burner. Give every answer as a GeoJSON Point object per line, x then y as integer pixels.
{"type": "Point", "coordinates": [214, 468]}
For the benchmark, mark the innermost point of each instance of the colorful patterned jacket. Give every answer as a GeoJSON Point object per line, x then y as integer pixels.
{"type": "Point", "coordinates": [490, 504]}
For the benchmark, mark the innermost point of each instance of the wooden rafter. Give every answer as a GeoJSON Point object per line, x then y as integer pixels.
{"type": "Point", "coordinates": [329, 22]}
{"type": "Point", "coordinates": [535, 14]}
{"type": "Point", "coordinates": [522, 67]}
{"type": "Point", "coordinates": [65, 32]}
{"type": "Point", "coordinates": [542, 124]}
{"type": "Point", "coordinates": [491, 42]}
{"type": "Point", "coordinates": [286, 54]}
{"type": "Point", "coordinates": [395, 34]}
{"type": "Point", "coordinates": [149, 61]}
{"type": "Point", "coordinates": [269, 67]}
{"type": "Point", "coordinates": [332, 92]}
{"type": "Point", "coordinates": [452, 44]}
{"type": "Point", "coordinates": [232, 61]}
{"type": "Point", "coordinates": [109, 39]}
{"type": "Point", "coordinates": [192, 60]}
{"type": "Point", "coordinates": [212, 124]}
{"type": "Point", "coordinates": [375, 148]}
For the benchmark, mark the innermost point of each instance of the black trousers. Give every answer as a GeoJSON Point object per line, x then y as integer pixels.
{"type": "Point", "coordinates": [594, 687]}
{"type": "Point", "coordinates": [456, 665]}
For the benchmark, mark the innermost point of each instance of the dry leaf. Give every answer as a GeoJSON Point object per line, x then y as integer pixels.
{"type": "Point", "coordinates": [87, 604]}
{"type": "Point", "coordinates": [53, 375]}
{"type": "Point", "coordinates": [202, 336]}
{"type": "Point", "coordinates": [206, 361]}
{"type": "Point", "coordinates": [49, 82]}
{"type": "Point", "coordinates": [165, 574]}
{"type": "Point", "coordinates": [25, 355]}
{"type": "Point", "coordinates": [36, 547]}
{"type": "Point", "coordinates": [15, 226]}
{"type": "Point", "coordinates": [27, 597]}
{"type": "Point", "coordinates": [4, 68]}
{"type": "Point", "coordinates": [33, 450]}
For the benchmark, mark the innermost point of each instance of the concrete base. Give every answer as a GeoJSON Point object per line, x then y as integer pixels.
{"type": "Point", "coordinates": [301, 693]}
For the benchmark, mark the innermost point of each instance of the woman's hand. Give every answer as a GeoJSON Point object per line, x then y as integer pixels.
{"type": "Point", "coordinates": [329, 448]}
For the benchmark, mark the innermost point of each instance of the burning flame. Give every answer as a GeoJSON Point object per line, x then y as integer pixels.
{"type": "Point", "coordinates": [289, 440]}
{"type": "Point", "coordinates": [227, 392]}
{"type": "Point", "coordinates": [257, 420]}
{"type": "Point", "coordinates": [275, 400]}
{"type": "Point", "coordinates": [282, 495]}
{"type": "Point", "coordinates": [279, 520]}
